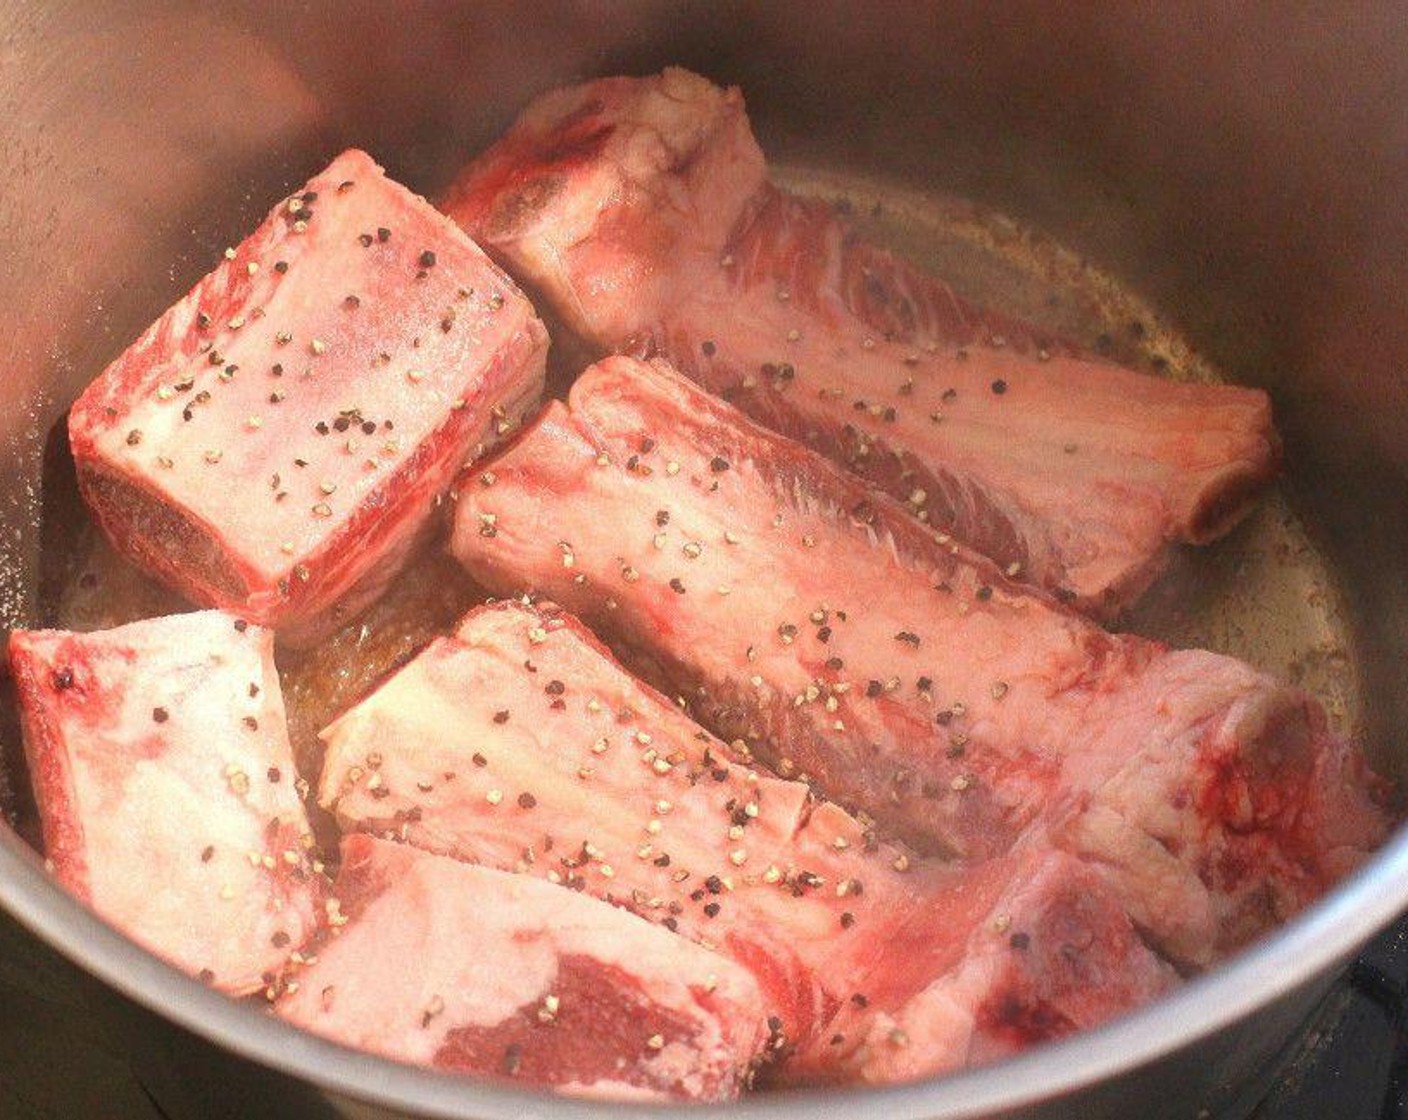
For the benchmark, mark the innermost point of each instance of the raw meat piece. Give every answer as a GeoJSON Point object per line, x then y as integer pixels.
{"type": "Point", "coordinates": [596, 187]}
{"type": "Point", "coordinates": [165, 785]}
{"type": "Point", "coordinates": [842, 640]}
{"type": "Point", "coordinates": [520, 743]}
{"type": "Point", "coordinates": [640, 210]}
{"type": "Point", "coordinates": [1034, 947]}
{"type": "Point", "coordinates": [473, 970]}
{"type": "Point", "coordinates": [276, 441]}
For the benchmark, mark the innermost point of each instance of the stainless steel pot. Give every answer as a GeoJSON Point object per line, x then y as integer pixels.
{"type": "Point", "coordinates": [1244, 169]}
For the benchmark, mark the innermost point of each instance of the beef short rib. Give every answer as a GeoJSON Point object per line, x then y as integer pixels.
{"type": "Point", "coordinates": [165, 786]}
{"type": "Point", "coordinates": [477, 971]}
{"type": "Point", "coordinates": [274, 443]}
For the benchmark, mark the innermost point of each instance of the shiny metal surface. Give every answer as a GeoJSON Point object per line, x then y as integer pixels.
{"type": "Point", "coordinates": [1243, 169]}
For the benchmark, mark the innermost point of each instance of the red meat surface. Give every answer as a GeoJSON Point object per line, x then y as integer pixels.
{"type": "Point", "coordinates": [165, 783]}
{"type": "Point", "coordinates": [276, 441]}
{"type": "Point", "coordinates": [521, 744]}
{"type": "Point", "coordinates": [640, 209]}
{"type": "Point", "coordinates": [813, 619]}
{"type": "Point", "coordinates": [473, 970]}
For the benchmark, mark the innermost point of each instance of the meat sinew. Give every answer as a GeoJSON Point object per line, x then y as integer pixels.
{"type": "Point", "coordinates": [519, 743]}
{"type": "Point", "coordinates": [841, 640]}
{"type": "Point", "coordinates": [165, 784]}
{"type": "Point", "coordinates": [474, 970]}
{"type": "Point", "coordinates": [640, 209]}
{"type": "Point", "coordinates": [274, 443]}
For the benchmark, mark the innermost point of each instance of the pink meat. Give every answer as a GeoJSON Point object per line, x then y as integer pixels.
{"type": "Point", "coordinates": [476, 971]}
{"type": "Point", "coordinates": [165, 784]}
{"type": "Point", "coordinates": [520, 743]}
{"type": "Point", "coordinates": [639, 208]}
{"type": "Point", "coordinates": [1035, 946]}
{"type": "Point", "coordinates": [276, 441]}
{"type": "Point", "coordinates": [796, 610]}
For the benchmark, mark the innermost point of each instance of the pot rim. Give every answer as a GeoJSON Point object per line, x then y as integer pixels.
{"type": "Point", "coordinates": [1312, 944]}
